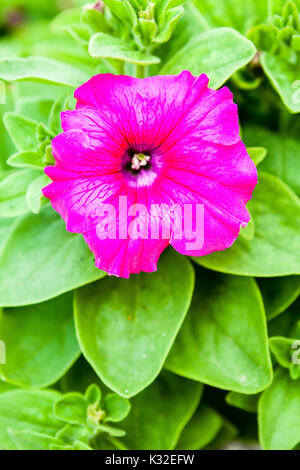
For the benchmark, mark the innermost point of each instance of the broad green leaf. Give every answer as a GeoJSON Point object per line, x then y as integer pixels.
{"type": "Point", "coordinates": [217, 53]}
{"type": "Point", "coordinates": [160, 412]}
{"type": "Point", "coordinates": [283, 154]}
{"type": "Point", "coordinates": [285, 79]}
{"type": "Point", "coordinates": [108, 47]}
{"type": "Point", "coordinates": [41, 69]}
{"type": "Point", "coordinates": [242, 401]}
{"type": "Point", "coordinates": [43, 260]}
{"type": "Point", "coordinates": [13, 192]}
{"type": "Point", "coordinates": [248, 231]}
{"type": "Point", "coordinates": [279, 293]}
{"type": "Point", "coordinates": [126, 327]}
{"type": "Point", "coordinates": [6, 145]}
{"type": "Point", "coordinates": [29, 440]}
{"type": "Point", "coordinates": [34, 108]}
{"type": "Point", "coordinates": [48, 338]}
{"type": "Point", "coordinates": [6, 386]}
{"type": "Point", "coordinates": [238, 15]}
{"type": "Point", "coordinates": [223, 340]}
{"type": "Point", "coordinates": [23, 410]}
{"type": "Point", "coordinates": [287, 354]}
{"type": "Point", "coordinates": [34, 196]}
{"type": "Point", "coordinates": [257, 154]}
{"type": "Point", "coordinates": [22, 131]}
{"type": "Point", "coordinates": [275, 247]}
{"type": "Point", "coordinates": [6, 227]}
{"type": "Point", "coordinates": [278, 413]}
{"type": "Point", "coordinates": [26, 159]}
{"type": "Point", "coordinates": [201, 429]}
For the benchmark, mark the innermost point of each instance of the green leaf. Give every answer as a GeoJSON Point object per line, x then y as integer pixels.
{"type": "Point", "coordinates": [257, 154]}
{"type": "Point", "coordinates": [71, 433]}
{"type": "Point", "coordinates": [160, 413]}
{"type": "Point", "coordinates": [287, 354]}
{"type": "Point", "coordinates": [201, 429]}
{"type": "Point", "coordinates": [226, 435]}
{"type": "Point", "coordinates": [283, 154]}
{"type": "Point", "coordinates": [48, 338]}
{"type": "Point", "coordinates": [214, 345]}
{"type": "Point", "coordinates": [6, 145]}
{"type": "Point", "coordinates": [30, 411]}
{"type": "Point", "coordinates": [115, 407]}
{"type": "Point", "coordinates": [26, 159]}
{"type": "Point", "coordinates": [275, 248]}
{"type": "Point", "coordinates": [218, 53]}
{"type": "Point", "coordinates": [93, 394]}
{"type": "Point", "coordinates": [41, 69]}
{"type": "Point", "coordinates": [78, 445]}
{"type": "Point", "coordinates": [21, 130]}
{"type": "Point", "coordinates": [34, 196]}
{"type": "Point", "coordinates": [244, 402]}
{"type": "Point", "coordinates": [43, 260]}
{"type": "Point", "coordinates": [191, 24]}
{"type": "Point", "coordinates": [96, 20]}
{"type": "Point", "coordinates": [285, 79]}
{"type": "Point", "coordinates": [126, 327]}
{"type": "Point", "coordinates": [248, 231]}
{"type": "Point", "coordinates": [34, 108]}
{"type": "Point", "coordinates": [278, 413]}
{"type": "Point", "coordinates": [276, 6]}
{"type": "Point", "coordinates": [54, 116]}
{"type": "Point", "coordinates": [13, 192]}
{"type": "Point", "coordinates": [106, 46]}
{"type": "Point", "coordinates": [279, 293]}
{"type": "Point", "coordinates": [72, 408]}
{"type": "Point", "coordinates": [6, 386]}
{"type": "Point", "coordinates": [6, 227]}
{"type": "Point", "coordinates": [238, 15]}
{"type": "Point", "coordinates": [123, 11]}
{"type": "Point", "coordinates": [286, 324]}
{"type": "Point", "coordinates": [29, 440]}
{"type": "Point", "coordinates": [171, 20]}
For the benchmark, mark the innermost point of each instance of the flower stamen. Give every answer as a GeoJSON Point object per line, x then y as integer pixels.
{"type": "Point", "coordinates": [139, 160]}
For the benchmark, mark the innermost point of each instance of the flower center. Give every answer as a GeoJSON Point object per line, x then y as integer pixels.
{"type": "Point", "coordinates": [141, 165]}
{"type": "Point", "coordinates": [139, 160]}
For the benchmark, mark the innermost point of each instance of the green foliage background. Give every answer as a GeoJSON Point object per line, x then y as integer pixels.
{"type": "Point", "coordinates": [205, 350]}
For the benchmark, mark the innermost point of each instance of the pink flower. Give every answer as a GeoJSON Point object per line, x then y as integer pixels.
{"type": "Point", "coordinates": [164, 141]}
